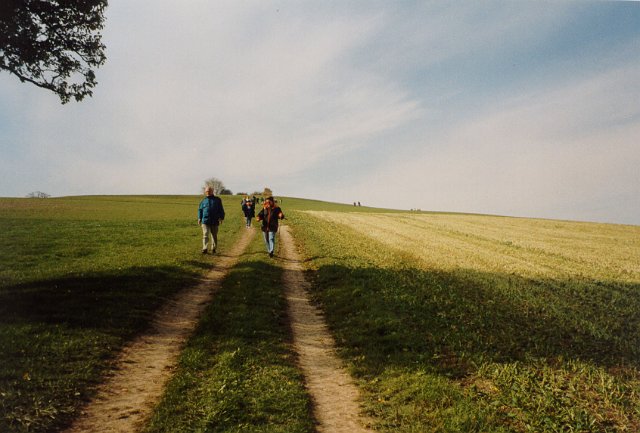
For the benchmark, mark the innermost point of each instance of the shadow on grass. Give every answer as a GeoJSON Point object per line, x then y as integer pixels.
{"type": "Point", "coordinates": [58, 336]}
{"type": "Point", "coordinates": [449, 322]}
{"type": "Point", "coordinates": [198, 264]}
{"type": "Point", "coordinates": [121, 300]}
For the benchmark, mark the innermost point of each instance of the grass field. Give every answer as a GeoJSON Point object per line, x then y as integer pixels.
{"type": "Point", "coordinates": [477, 323]}
{"type": "Point", "coordinates": [79, 277]}
{"type": "Point", "coordinates": [449, 322]}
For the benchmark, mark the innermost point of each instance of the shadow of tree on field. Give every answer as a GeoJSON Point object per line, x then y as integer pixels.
{"type": "Point", "coordinates": [198, 264]}
{"type": "Point", "coordinates": [449, 321]}
{"type": "Point", "coordinates": [57, 337]}
{"type": "Point", "coordinates": [118, 301]}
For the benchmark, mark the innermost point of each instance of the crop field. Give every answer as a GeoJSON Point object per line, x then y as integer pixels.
{"type": "Point", "coordinates": [447, 322]}
{"type": "Point", "coordinates": [483, 324]}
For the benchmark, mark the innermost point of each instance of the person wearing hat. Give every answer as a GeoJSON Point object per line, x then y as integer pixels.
{"type": "Point", "coordinates": [269, 216]}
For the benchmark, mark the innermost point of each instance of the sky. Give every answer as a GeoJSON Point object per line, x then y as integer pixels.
{"type": "Point", "coordinates": [515, 108]}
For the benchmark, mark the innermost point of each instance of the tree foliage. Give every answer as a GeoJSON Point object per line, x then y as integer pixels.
{"type": "Point", "coordinates": [53, 44]}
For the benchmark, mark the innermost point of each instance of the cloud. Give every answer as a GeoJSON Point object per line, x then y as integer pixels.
{"type": "Point", "coordinates": [498, 107]}
{"type": "Point", "coordinates": [283, 91]}
{"type": "Point", "coordinates": [562, 152]}
{"type": "Point", "coordinates": [205, 87]}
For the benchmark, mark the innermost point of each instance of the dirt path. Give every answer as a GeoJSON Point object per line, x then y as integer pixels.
{"type": "Point", "coordinates": [125, 401]}
{"type": "Point", "coordinates": [334, 394]}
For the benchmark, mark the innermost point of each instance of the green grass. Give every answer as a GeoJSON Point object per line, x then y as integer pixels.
{"type": "Point", "coordinates": [482, 324]}
{"type": "Point", "coordinates": [79, 277]}
{"type": "Point", "coordinates": [449, 322]}
{"type": "Point", "coordinates": [237, 372]}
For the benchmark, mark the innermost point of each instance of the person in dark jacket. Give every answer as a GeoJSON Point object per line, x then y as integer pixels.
{"type": "Point", "coordinates": [269, 215]}
{"type": "Point", "coordinates": [210, 216]}
{"type": "Point", "coordinates": [249, 212]}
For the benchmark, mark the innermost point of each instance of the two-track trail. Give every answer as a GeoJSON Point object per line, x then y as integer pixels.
{"type": "Point", "coordinates": [125, 401]}
{"type": "Point", "coordinates": [332, 390]}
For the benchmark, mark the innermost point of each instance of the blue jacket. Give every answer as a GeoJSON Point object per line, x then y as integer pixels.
{"type": "Point", "coordinates": [210, 210]}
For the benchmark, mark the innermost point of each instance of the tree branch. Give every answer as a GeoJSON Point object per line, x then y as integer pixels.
{"type": "Point", "coordinates": [11, 69]}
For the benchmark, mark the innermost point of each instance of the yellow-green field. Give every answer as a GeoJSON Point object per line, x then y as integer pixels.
{"type": "Point", "coordinates": [480, 323]}
{"type": "Point", "coordinates": [525, 247]}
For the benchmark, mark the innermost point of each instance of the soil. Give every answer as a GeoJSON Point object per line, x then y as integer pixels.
{"type": "Point", "coordinates": [332, 390]}
{"type": "Point", "coordinates": [124, 402]}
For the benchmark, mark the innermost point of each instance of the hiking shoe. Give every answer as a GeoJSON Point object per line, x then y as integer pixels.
{"type": "Point", "coordinates": [204, 251]}
{"type": "Point", "coordinates": [271, 254]}
{"type": "Point", "coordinates": [213, 251]}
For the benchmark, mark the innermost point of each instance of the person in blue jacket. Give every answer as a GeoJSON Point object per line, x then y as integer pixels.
{"type": "Point", "coordinates": [210, 216]}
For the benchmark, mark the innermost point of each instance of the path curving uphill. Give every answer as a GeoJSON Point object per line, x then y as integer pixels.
{"type": "Point", "coordinates": [332, 390]}
{"type": "Point", "coordinates": [125, 401]}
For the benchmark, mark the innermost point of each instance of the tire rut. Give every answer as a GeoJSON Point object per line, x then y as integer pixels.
{"type": "Point", "coordinates": [334, 394]}
{"type": "Point", "coordinates": [124, 402]}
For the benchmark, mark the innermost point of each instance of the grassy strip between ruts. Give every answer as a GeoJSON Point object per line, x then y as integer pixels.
{"type": "Point", "coordinates": [476, 350]}
{"type": "Point", "coordinates": [78, 278]}
{"type": "Point", "coordinates": [237, 373]}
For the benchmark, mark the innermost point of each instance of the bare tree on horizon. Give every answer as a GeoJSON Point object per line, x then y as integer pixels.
{"type": "Point", "coordinates": [38, 194]}
{"type": "Point", "coordinates": [216, 184]}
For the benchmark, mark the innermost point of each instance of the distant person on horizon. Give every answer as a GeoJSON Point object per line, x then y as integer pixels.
{"type": "Point", "coordinates": [269, 215]}
{"type": "Point", "coordinates": [210, 216]}
{"type": "Point", "coordinates": [249, 211]}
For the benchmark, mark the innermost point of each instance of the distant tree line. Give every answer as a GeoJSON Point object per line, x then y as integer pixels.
{"type": "Point", "coordinates": [220, 189]}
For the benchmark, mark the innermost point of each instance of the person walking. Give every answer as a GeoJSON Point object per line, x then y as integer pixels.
{"type": "Point", "coordinates": [249, 211]}
{"type": "Point", "coordinates": [210, 216]}
{"type": "Point", "coordinates": [269, 215]}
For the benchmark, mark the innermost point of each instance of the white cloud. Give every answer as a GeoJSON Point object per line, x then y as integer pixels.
{"type": "Point", "coordinates": [558, 153]}
{"type": "Point", "coordinates": [203, 87]}
{"type": "Point", "coordinates": [385, 103]}
{"type": "Point", "coordinates": [281, 91]}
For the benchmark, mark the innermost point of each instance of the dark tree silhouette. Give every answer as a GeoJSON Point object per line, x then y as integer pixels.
{"type": "Point", "coordinates": [54, 44]}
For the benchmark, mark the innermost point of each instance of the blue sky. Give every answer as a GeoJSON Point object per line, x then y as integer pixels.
{"type": "Point", "coordinates": [510, 108]}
